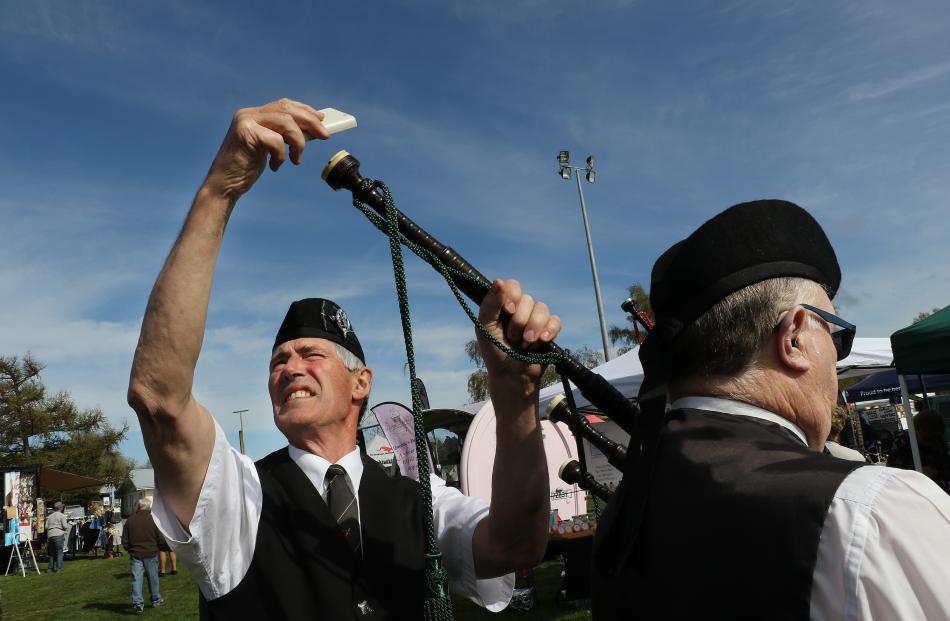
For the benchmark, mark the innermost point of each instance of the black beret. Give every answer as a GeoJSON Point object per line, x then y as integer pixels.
{"type": "Point", "coordinates": [743, 245]}
{"type": "Point", "coordinates": [322, 319]}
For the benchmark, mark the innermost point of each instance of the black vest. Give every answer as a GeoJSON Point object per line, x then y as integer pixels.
{"type": "Point", "coordinates": [731, 528]}
{"type": "Point", "coordinates": [302, 567]}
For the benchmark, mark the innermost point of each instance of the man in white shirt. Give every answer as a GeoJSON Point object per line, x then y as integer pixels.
{"type": "Point", "coordinates": [265, 539]}
{"type": "Point", "coordinates": [733, 510]}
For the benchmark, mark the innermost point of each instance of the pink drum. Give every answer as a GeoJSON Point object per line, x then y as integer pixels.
{"type": "Point", "coordinates": [478, 456]}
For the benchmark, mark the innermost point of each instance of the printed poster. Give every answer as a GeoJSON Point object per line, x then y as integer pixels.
{"type": "Point", "coordinates": [397, 424]}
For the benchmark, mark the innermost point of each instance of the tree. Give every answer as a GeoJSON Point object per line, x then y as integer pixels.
{"type": "Point", "coordinates": [924, 314]}
{"type": "Point", "coordinates": [36, 427]}
{"type": "Point", "coordinates": [626, 335]}
{"type": "Point", "coordinates": [478, 379]}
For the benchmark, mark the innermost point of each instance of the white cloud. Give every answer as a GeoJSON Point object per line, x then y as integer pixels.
{"type": "Point", "coordinates": [888, 86]}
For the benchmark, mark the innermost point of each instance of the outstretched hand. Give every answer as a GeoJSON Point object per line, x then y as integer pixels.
{"type": "Point", "coordinates": [530, 324]}
{"type": "Point", "coordinates": [255, 134]}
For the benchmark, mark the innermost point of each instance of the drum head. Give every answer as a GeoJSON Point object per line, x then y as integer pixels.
{"type": "Point", "coordinates": [478, 457]}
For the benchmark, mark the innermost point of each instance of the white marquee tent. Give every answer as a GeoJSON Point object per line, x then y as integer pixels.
{"type": "Point", "coordinates": [626, 373]}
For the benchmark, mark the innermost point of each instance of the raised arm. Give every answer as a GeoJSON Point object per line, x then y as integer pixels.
{"type": "Point", "coordinates": [178, 431]}
{"type": "Point", "coordinates": [514, 533]}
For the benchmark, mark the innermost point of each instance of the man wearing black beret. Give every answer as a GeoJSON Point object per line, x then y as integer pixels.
{"type": "Point", "coordinates": [315, 530]}
{"type": "Point", "coordinates": [732, 510]}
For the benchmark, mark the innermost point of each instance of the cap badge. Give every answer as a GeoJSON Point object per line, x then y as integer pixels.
{"type": "Point", "coordinates": [342, 322]}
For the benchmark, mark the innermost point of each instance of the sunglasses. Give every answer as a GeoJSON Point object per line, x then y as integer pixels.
{"type": "Point", "coordinates": [842, 332]}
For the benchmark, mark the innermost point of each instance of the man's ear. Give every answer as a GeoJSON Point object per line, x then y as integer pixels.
{"type": "Point", "coordinates": [362, 383]}
{"type": "Point", "coordinates": [788, 340]}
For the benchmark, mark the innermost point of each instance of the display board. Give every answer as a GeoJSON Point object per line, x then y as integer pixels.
{"type": "Point", "coordinates": [40, 516]}
{"type": "Point", "coordinates": [596, 461]}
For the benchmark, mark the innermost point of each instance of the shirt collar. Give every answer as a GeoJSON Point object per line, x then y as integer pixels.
{"type": "Point", "coordinates": [315, 467]}
{"type": "Point", "coordinates": [737, 408]}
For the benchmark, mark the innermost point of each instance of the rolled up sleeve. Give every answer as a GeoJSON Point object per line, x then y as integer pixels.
{"type": "Point", "coordinates": [456, 517]}
{"type": "Point", "coordinates": [218, 544]}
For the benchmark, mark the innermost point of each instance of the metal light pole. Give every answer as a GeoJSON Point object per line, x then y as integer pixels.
{"type": "Point", "coordinates": [564, 170]}
{"type": "Point", "coordinates": [241, 432]}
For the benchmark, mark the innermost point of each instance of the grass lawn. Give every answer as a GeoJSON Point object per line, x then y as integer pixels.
{"type": "Point", "coordinates": [98, 588]}
{"type": "Point", "coordinates": [91, 588]}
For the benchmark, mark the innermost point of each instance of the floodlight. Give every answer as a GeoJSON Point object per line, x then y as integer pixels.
{"type": "Point", "coordinates": [564, 171]}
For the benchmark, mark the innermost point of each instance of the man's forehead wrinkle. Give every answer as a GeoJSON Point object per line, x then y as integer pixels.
{"type": "Point", "coordinates": [312, 344]}
{"type": "Point", "coordinates": [302, 346]}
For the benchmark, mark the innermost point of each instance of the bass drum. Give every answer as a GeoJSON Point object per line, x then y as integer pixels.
{"type": "Point", "coordinates": [478, 458]}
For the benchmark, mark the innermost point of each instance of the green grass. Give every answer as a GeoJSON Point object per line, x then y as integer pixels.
{"type": "Point", "coordinates": [98, 588]}
{"type": "Point", "coordinates": [91, 588]}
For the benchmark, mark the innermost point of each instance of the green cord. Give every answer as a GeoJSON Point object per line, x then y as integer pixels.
{"type": "Point", "coordinates": [437, 605]}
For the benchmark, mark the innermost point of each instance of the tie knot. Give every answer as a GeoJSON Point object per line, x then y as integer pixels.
{"type": "Point", "coordinates": [334, 471]}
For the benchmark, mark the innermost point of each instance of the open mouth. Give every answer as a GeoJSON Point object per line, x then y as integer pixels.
{"type": "Point", "coordinates": [298, 394]}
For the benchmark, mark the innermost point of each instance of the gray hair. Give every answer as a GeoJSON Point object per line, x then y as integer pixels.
{"type": "Point", "coordinates": [349, 359]}
{"type": "Point", "coordinates": [352, 364]}
{"type": "Point", "coordinates": [57, 506]}
{"type": "Point", "coordinates": [728, 340]}
{"type": "Point", "coordinates": [144, 504]}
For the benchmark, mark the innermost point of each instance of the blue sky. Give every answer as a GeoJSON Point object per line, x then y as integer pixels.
{"type": "Point", "coordinates": [112, 113]}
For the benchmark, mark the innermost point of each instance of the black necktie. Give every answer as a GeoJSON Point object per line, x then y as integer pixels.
{"type": "Point", "coordinates": [342, 503]}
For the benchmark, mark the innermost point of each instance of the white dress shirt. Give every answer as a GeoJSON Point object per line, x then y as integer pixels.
{"type": "Point", "coordinates": [884, 550]}
{"type": "Point", "coordinates": [223, 531]}
{"type": "Point", "coordinates": [843, 452]}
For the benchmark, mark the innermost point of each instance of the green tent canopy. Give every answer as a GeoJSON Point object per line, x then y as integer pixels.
{"type": "Point", "coordinates": [923, 347]}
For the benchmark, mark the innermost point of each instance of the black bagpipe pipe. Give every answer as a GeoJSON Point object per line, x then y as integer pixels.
{"type": "Point", "coordinates": [559, 411]}
{"type": "Point", "coordinates": [573, 473]}
{"type": "Point", "coordinates": [343, 172]}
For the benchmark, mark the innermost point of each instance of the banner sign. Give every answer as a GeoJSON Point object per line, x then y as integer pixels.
{"type": "Point", "coordinates": [397, 424]}
{"type": "Point", "coordinates": [423, 395]}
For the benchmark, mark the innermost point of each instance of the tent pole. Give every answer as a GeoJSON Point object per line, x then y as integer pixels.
{"type": "Point", "coordinates": [911, 429]}
{"type": "Point", "coordinates": [923, 389]}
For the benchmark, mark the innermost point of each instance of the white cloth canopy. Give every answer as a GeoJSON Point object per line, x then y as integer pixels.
{"type": "Point", "coordinates": [867, 356]}
{"type": "Point", "coordinates": [626, 373]}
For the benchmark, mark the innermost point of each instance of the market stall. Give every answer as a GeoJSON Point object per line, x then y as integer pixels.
{"type": "Point", "coordinates": [24, 511]}
{"type": "Point", "coordinates": [923, 347]}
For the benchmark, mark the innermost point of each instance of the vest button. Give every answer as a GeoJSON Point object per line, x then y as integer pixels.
{"type": "Point", "coordinates": [365, 608]}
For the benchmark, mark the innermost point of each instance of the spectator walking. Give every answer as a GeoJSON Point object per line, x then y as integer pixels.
{"type": "Point", "coordinates": [166, 554]}
{"type": "Point", "coordinates": [56, 528]}
{"type": "Point", "coordinates": [141, 539]}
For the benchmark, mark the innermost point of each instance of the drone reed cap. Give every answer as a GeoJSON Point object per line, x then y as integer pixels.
{"type": "Point", "coordinates": [336, 159]}
{"type": "Point", "coordinates": [552, 405]}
